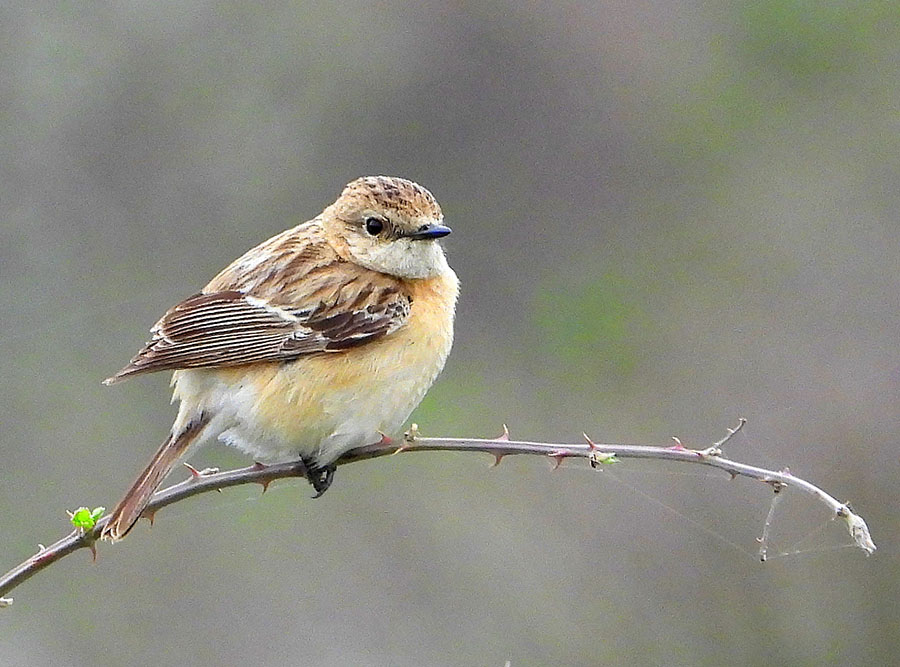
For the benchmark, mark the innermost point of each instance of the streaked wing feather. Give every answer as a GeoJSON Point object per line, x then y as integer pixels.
{"type": "Point", "coordinates": [231, 328]}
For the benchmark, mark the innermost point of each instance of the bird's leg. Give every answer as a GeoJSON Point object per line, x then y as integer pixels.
{"type": "Point", "coordinates": [319, 476]}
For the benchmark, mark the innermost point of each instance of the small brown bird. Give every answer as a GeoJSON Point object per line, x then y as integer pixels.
{"type": "Point", "coordinates": [313, 343]}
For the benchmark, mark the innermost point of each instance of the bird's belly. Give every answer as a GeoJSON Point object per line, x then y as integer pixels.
{"type": "Point", "coordinates": [317, 406]}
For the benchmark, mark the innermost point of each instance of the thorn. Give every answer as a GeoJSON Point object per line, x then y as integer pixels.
{"type": "Point", "coordinates": [259, 466]}
{"type": "Point", "coordinates": [150, 516]}
{"type": "Point", "coordinates": [497, 459]}
{"type": "Point", "coordinates": [41, 547]}
{"type": "Point", "coordinates": [592, 446]}
{"type": "Point", "coordinates": [40, 557]}
{"type": "Point", "coordinates": [264, 484]}
{"type": "Point", "coordinates": [678, 447]}
{"type": "Point", "coordinates": [734, 475]}
{"type": "Point", "coordinates": [93, 548]}
{"type": "Point", "coordinates": [503, 437]}
{"type": "Point", "coordinates": [558, 458]}
{"type": "Point", "coordinates": [387, 441]}
{"type": "Point", "coordinates": [206, 472]}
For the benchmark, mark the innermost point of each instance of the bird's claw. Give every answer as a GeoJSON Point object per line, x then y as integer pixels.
{"type": "Point", "coordinates": [320, 477]}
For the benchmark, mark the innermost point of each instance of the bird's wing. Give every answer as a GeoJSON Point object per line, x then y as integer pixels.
{"type": "Point", "coordinates": [303, 301]}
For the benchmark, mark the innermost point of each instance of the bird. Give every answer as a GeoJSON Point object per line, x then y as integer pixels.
{"type": "Point", "coordinates": [319, 340]}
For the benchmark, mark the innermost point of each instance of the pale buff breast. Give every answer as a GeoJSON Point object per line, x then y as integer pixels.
{"type": "Point", "coordinates": [323, 405]}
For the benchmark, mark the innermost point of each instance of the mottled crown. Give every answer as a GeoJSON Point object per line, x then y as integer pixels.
{"type": "Point", "coordinates": [389, 192]}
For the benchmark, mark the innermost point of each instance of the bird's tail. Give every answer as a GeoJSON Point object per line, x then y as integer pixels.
{"type": "Point", "coordinates": [135, 501]}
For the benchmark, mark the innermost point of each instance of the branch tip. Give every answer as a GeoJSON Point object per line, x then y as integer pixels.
{"type": "Point", "coordinates": [731, 431]}
{"type": "Point", "coordinates": [858, 529]}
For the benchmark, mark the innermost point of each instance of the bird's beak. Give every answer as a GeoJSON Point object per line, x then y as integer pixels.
{"type": "Point", "coordinates": [427, 232]}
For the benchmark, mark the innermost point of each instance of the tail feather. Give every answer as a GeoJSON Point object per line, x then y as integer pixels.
{"type": "Point", "coordinates": [135, 501]}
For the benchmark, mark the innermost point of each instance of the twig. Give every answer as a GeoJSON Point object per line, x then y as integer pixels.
{"type": "Point", "coordinates": [596, 454]}
{"type": "Point", "coordinates": [767, 526]}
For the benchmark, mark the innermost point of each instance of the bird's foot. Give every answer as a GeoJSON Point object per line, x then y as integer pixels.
{"type": "Point", "coordinates": [319, 477]}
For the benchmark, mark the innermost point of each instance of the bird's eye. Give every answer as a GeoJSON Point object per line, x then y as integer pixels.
{"type": "Point", "coordinates": [374, 226]}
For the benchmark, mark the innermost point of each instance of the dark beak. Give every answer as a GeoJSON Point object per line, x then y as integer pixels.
{"type": "Point", "coordinates": [426, 232]}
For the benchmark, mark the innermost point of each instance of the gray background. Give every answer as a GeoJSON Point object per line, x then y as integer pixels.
{"type": "Point", "coordinates": [666, 215]}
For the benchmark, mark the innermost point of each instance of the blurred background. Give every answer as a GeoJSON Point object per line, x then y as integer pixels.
{"type": "Point", "coordinates": [666, 215]}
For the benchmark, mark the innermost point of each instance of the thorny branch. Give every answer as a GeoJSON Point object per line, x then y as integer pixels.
{"type": "Point", "coordinates": [596, 454]}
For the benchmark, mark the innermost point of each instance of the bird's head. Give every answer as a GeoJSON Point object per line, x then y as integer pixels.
{"type": "Point", "coordinates": [389, 225]}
